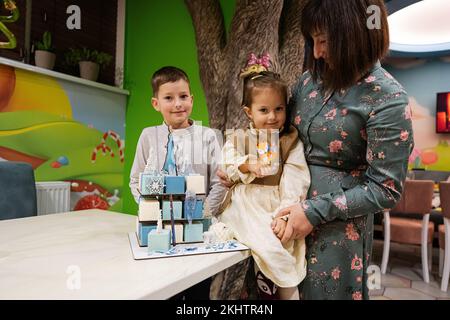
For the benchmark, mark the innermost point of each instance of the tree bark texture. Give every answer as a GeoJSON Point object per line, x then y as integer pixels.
{"type": "Point", "coordinates": [258, 26]}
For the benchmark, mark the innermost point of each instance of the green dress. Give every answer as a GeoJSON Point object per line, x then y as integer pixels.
{"type": "Point", "coordinates": [357, 145]}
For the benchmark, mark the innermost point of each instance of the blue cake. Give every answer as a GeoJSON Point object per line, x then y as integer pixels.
{"type": "Point", "coordinates": [193, 232]}
{"type": "Point", "coordinates": [175, 184]}
{"type": "Point", "coordinates": [143, 231]}
{"type": "Point", "coordinates": [150, 184]}
{"type": "Point", "coordinates": [177, 210]}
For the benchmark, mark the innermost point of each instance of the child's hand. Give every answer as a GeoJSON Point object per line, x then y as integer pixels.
{"type": "Point", "coordinates": [279, 226]}
{"type": "Point", "coordinates": [259, 170]}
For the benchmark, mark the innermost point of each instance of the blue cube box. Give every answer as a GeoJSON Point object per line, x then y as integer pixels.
{"type": "Point", "coordinates": [150, 184]}
{"type": "Point", "coordinates": [193, 232]}
{"type": "Point", "coordinates": [175, 184]}
{"type": "Point", "coordinates": [177, 210]}
{"type": "Point", "coordinates": [198, 213]}
{"type": "Point", "coordinates": [159, 241]}
{"type": "Point", "coordinates": [143, 232]}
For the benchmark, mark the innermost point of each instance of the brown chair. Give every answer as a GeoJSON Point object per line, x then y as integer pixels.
{"type": "Point", "coordinates": [444, 235]}
{"type": "Point", "coordinates": [416, 198]}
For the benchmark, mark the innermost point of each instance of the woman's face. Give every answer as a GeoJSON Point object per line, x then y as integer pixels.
{"type": "Point", "coordinates": [320, 40]}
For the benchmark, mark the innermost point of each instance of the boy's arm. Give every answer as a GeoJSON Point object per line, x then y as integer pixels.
{"type": "Point", "coordinates": [296, 179]}
{"type": "Point", "coordinates": [217, 191]}
{"type": "Point", "coordinates": [140, 160]}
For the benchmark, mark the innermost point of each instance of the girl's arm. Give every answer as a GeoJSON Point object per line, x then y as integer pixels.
{"type": "Point", "coordinates": [232, 164]}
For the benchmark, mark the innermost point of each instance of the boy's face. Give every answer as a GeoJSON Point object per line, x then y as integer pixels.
{"type": "Point", "coordinates": [174, 101]}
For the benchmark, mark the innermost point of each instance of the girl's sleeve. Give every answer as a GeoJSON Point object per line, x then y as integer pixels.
{"type": "Point", "coordinates": [232, 159]}
{"type": "Point", "coordinates": [389, 144]}
{"type": "Point", "coordinates": [296, 179]}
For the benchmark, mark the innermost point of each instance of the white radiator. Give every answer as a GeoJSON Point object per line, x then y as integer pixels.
{"type": "Point", "coordinates": [52, 197]}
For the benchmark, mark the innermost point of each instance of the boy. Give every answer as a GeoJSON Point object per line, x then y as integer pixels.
{"type": "Point", "coordinates": [179, 144]}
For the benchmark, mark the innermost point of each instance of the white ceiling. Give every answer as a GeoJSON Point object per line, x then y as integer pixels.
{"type": "Point", "coordinates": [423, 26]}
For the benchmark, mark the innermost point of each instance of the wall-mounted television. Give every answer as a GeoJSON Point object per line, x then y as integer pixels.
{"type": "Point", "coordinates": [443, 112]}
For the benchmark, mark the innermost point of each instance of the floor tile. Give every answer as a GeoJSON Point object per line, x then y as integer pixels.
{"type": "Point", "coordinates": [379, 298]}
{"type": "Point", "coordinates": [408, 273]}
{"type": "Point", "coordinates": [433, 288]}
{"type": "Point", "coordinates": [406, 294]}
{"type": "Point", "coordinates": [395, 281]}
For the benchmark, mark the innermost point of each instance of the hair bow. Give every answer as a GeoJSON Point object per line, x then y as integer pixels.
{"type": "Point", "coordinates": [264, 60]}
{"type": "Point", "coordinates": [256, 65]}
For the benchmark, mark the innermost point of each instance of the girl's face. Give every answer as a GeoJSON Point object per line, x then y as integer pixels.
{"type": "Point", "coordinates": [320, 40]}
{"type": "Point", "coordinates": [268, 109]}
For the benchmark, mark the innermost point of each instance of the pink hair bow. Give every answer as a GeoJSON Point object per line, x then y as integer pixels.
{"type": "Point", "coordinates": [264, 60]}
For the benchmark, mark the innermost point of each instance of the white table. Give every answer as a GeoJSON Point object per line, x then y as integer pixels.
{"type": "Point", "coordinates": [49, 257]}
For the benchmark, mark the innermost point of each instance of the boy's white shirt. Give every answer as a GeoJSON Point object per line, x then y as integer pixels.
{"type": "Point", "coordinates": [199, 145]}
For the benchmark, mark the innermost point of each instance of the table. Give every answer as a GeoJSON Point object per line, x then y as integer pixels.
{"type": "Point", "coordinates": [87, 255]}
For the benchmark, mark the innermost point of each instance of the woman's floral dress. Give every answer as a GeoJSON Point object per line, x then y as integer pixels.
{"type": "Point", "coordinates": [357, 143]}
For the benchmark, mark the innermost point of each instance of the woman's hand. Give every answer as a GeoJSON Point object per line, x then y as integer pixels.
{"type": "Point", "coordinates": [224, 179]}
{"type": "Point", "coordinates": [298, 225]}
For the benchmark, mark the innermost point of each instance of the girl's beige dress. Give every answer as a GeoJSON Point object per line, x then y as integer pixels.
{"type": "Point", "coordinates": [255, 200]}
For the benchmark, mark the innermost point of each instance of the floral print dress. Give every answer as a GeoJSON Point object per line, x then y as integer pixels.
{"type": "Point", "coordinates": [357, 143]}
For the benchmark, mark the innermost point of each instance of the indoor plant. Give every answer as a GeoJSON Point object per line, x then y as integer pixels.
{"type": "Point", "coordinates": [89, 60]}
{"type": "Point", "coordinates": [44, 56]}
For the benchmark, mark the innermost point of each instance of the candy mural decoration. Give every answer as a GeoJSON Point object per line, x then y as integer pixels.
{"type": "Point", "coordinates": [9, 5]}
{"type": "Point", "coordinates": [41, 125]}
{"type": "Point", "coordinates": [102, 146]}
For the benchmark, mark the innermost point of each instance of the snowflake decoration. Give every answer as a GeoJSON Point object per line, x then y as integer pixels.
{"type": "Point", "coordinates": [152, 184]}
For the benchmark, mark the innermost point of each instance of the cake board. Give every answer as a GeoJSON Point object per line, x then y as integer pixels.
{"type": "Point", "coordinates": [183, 249]}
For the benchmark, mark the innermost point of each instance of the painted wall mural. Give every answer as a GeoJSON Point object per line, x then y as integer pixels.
{"type": "Point", "coordinates": [423, 79]}
{"type": "Point", "coordinates": [67, 132]}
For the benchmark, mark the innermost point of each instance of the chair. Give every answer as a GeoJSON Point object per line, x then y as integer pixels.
{"type": "Point", "coordinates": [416, 198]}
{"type": "Point", "coordinates": [18, 190]}
{"type": "Point", "coordinates": [444, 235]}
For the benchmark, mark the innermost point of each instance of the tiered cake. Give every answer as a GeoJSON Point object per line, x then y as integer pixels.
{"type": "Point", "coordinates": [178, 201]}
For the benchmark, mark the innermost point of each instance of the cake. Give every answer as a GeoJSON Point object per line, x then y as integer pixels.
{"type": "Point", "coordinates": [154, 206]}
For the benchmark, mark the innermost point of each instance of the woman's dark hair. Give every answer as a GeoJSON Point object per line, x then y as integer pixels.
{"type": "Point", "coordinates": [265, 79]}
{"type": "Point", "coordinates": [354, 44]}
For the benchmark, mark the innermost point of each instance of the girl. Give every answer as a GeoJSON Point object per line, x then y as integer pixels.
{"type": "Point", "coordinates": [259, 193]}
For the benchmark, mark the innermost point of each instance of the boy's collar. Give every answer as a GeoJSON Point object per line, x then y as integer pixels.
{"type": "Point", "coordinates": [182, 130]}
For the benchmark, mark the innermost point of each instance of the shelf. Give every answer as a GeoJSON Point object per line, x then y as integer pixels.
{"type": "Point", "coordinates": [62, 76]}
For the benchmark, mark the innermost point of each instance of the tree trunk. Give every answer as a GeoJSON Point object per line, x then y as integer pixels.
{"type": "Point", "coordinates": [258, 26]}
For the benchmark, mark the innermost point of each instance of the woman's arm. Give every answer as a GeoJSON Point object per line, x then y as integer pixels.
{"type": "Point", "coordinates": [389, 144]}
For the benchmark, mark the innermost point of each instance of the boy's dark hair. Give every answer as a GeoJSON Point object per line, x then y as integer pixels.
{"type": "Point", "coordinates": [167, 74]}
{"type": "Point", "coordinates": [265, 79]}
{"type": "Point", "coordinates": [353, 47]}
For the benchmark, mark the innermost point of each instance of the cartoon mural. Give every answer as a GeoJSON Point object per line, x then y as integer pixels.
{"type": "Point", "coordinates": [67, 132]}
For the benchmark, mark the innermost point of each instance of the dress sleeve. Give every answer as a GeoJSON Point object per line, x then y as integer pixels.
{"type": "Point", "coordinates": [296, 179]}
{"type": "Point", "coordinates": [232, 159]}
{"type": "Point", "coordinates": [389, 144]}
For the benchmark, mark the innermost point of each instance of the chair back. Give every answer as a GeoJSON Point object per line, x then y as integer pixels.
{"type": "Point", "coordinates": [417, 197]}
{"type": "Point", "coordinates": [444, 195]}
{"type": "Point", "coordinates": [17, 190]}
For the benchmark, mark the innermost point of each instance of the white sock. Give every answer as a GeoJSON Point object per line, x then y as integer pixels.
{"type": "Point", "coordinates": [290, 293]}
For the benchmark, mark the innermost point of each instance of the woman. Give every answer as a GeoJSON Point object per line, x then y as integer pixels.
{"type": "Point", "coordinates": [355, 122]}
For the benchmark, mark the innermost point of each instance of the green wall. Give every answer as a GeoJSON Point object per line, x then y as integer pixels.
{"type": "Point", "coordinates": [158, 33]}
